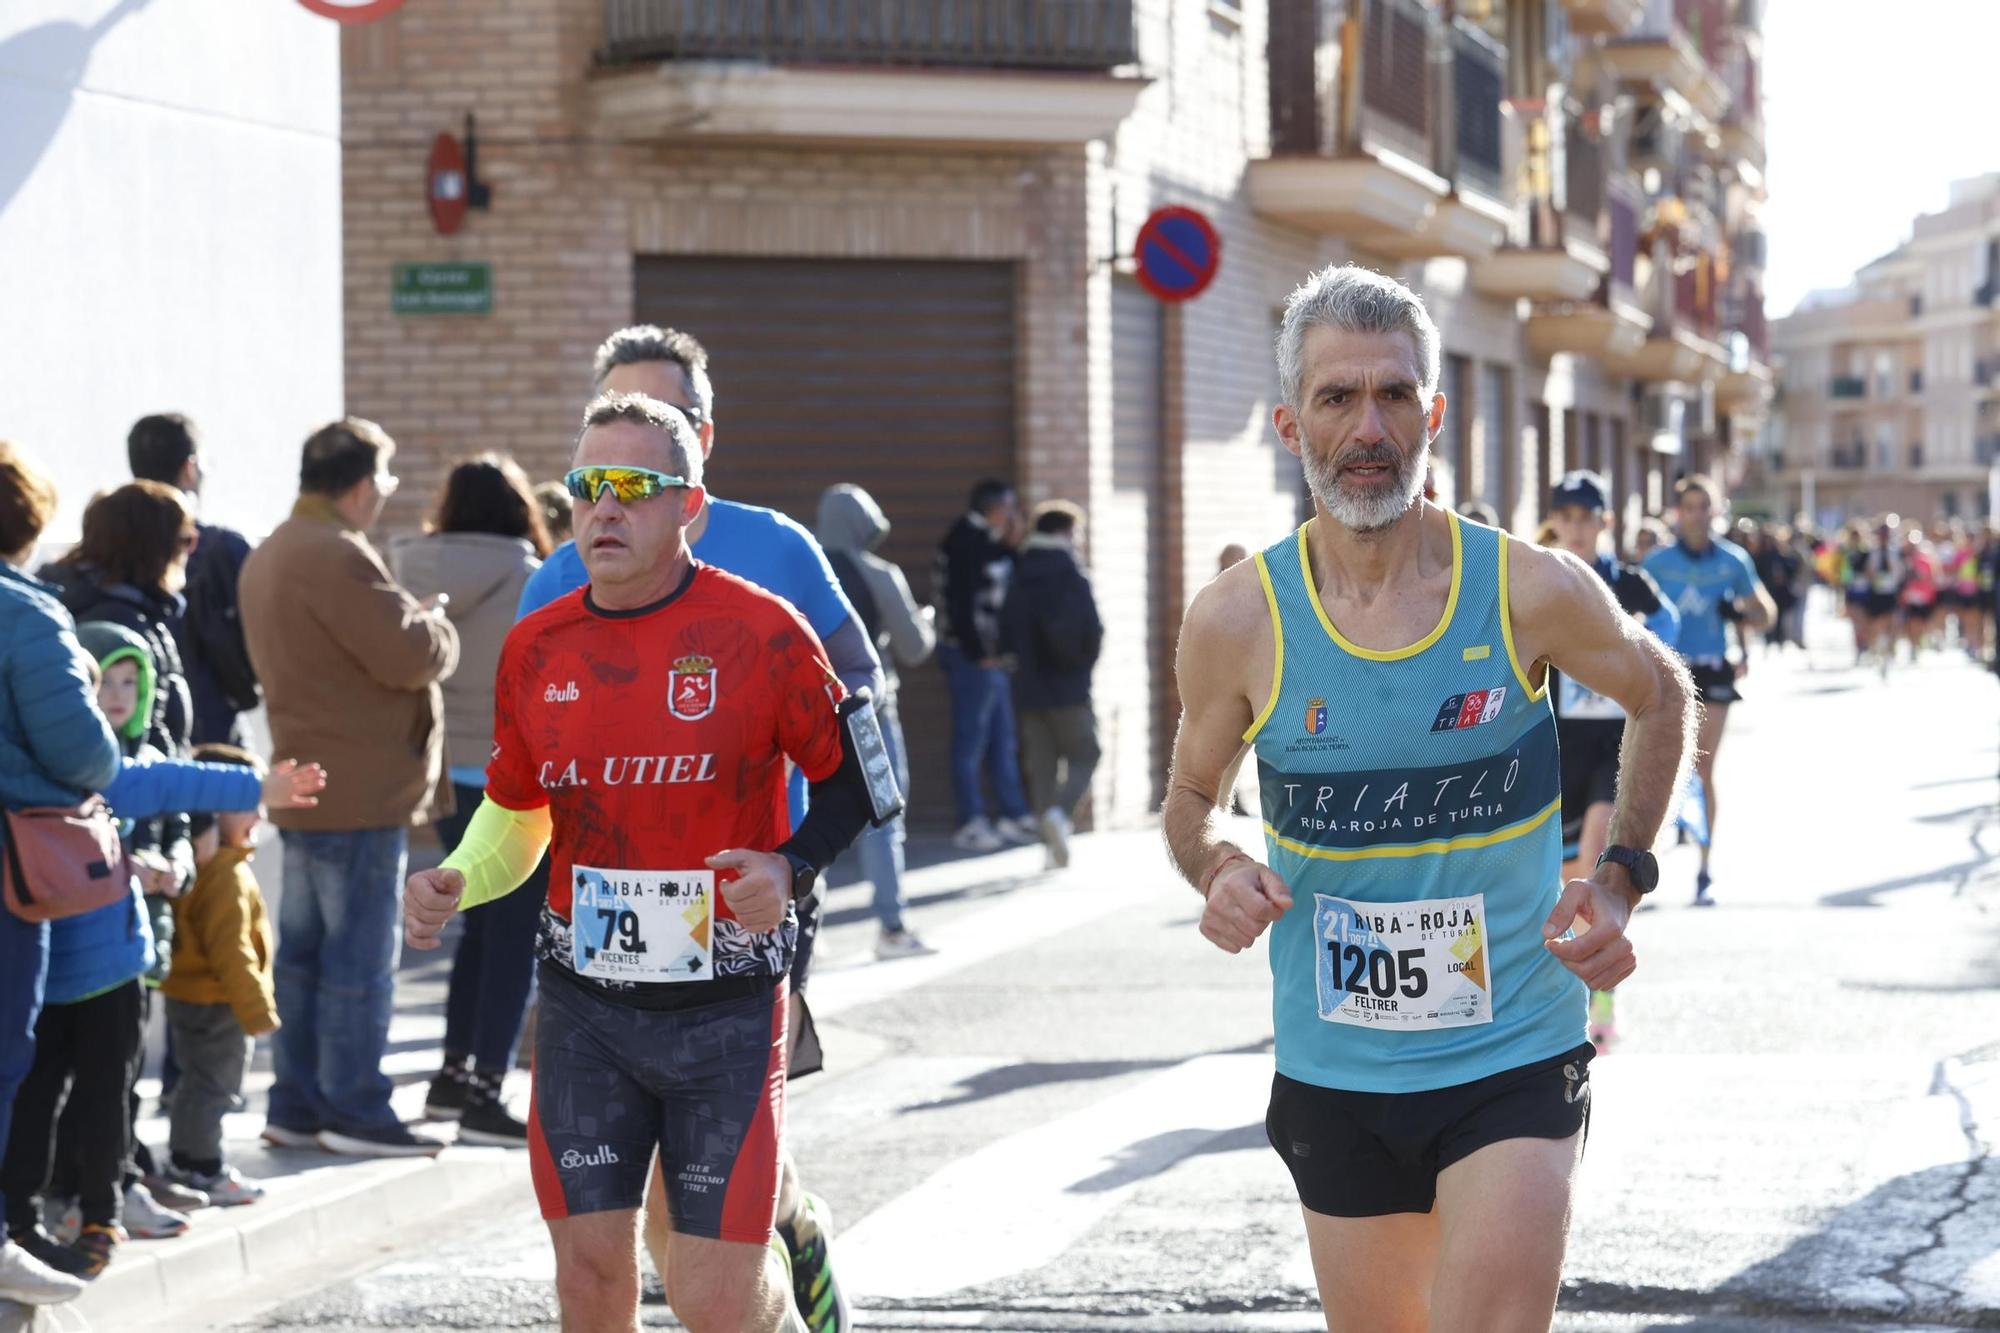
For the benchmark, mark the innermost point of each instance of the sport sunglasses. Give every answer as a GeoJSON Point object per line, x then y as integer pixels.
{"type": "Point", "coordinates": [629, 484]}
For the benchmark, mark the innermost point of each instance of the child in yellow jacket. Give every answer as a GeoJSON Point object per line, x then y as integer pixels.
{"type": "Point", "coordinates": [219, 992]}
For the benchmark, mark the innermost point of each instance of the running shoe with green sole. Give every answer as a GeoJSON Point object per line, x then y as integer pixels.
{"type": "Point", "coordinates": [809, 1237]}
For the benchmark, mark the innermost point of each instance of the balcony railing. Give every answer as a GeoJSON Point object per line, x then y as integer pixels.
{"type": "Point", "coordinates": [988, 34]}
{"type": "Point", "coordinates": [1986, 449]}
{"type": "Point", "coordinates": [1916, 381]}
{"type": "Point", "coordinates": [1851, 457]}
{"type": "Point", "coordinates": [1583, 177]}
{"type": "Point", "coordinates": [1985, 371]}
{"type": "Point", "coordinates": [1478, 83]}
{"type": "Point", "coordinates": [1402, 82]}
{"type": "Point", "coordinates": [1848, 386]}
{"type": "Point", "coordinates": [1623, 232]}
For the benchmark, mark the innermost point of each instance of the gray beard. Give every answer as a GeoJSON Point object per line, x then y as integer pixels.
{"type": "Point", "coordinates": [1369, 511]}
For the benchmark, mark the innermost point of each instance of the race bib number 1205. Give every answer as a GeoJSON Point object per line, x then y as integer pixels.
{"type": "Point", "coordinates": [1406, 967]}
{"type": "Point", "coordinates": [642, 925]}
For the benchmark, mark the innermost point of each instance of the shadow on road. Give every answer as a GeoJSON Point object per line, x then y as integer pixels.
{"type": "Point", "coordinates": [1151, 1156]}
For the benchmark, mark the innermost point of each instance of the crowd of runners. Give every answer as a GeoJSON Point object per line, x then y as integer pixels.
{"type": "Point", "coordinates": [661, 732]}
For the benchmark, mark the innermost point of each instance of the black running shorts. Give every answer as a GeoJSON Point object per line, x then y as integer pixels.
{"type": "Point", "coordinates": [1369, 1154]}
{"type": "Point", "coordinates": [703, 1086]}
{"type": "Point", "coordinates": [1589, 758]}
{"type": "Point", "coordinates": [1715, 684]}
{"type": "Point", "coordinates": [1879, 604]}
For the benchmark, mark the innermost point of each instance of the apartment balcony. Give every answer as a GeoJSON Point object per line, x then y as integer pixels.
{"type": "Point", "coordinates": [1603, 18]}
{"type": "Point", "coordinates": [1848, 457]}
{"type": "Point", "coordinates": [1847, 386]}
{"type": "Point", "coordinates": [980, 72]}
{"type": "Point", "coordinates": [1400, 150]}
{"type": "Point", "coordinates": [1744, 390]}
{"type": "Point", "coordinates": [1610, 326]}
{"type": "Point", "coordinates": [1661, 54]}
{"type": "Point", "coordinates": [1557, 250]}
{"type": "Point", "coordinates": [1682, 346]}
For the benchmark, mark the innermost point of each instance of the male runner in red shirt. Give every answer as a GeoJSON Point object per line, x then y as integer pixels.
{"type": "Point", "coordinates": [642, 725]}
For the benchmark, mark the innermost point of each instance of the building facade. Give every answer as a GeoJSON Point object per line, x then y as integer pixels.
{"type": "Point", "coordinates": [169, 240]}
{"type": "Point", "coordinates": [1891, 387]}
{"type": "Point", "coordinates": [903, 232]}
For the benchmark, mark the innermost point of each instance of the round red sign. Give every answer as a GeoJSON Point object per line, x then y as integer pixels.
{"type": "Point", "coordinates": [444, 185]}
{"type": "Point", "coordinates": [353, 11]}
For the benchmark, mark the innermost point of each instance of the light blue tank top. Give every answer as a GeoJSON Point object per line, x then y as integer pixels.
{"type": "Point", "coordinates": [1412, 801]}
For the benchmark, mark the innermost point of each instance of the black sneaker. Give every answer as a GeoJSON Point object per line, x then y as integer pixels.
{"type": "Point", "coordinates": [447, 1096]}
{"type": "Point", "coordinates": [387, 1141]}
{"type": "Point", "coordinates": [487, 1121]}
{"type": "Point", "coordinates": [809, 1238]}
{"type": "Point", "coordinates": [39, 1244]}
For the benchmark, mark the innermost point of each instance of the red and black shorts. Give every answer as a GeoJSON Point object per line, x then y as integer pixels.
{"type": "Point", "coordinates": [703, 1086]}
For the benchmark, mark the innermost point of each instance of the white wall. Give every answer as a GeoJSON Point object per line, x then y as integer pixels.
{"type": "Point", "coordinates": [170, 238]}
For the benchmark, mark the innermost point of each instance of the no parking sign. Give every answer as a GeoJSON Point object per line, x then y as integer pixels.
{"type": "Point", "coordinates": [1178, 253]}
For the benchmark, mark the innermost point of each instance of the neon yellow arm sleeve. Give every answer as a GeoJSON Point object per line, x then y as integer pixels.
{"type": "Point", "coordinates": [500, 849]}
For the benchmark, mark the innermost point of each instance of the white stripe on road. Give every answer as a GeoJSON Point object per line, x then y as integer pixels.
{"type": "Point", "coordinates": [1020, 1202]}
{"type": "Point", "coordinates": [1019, 919]}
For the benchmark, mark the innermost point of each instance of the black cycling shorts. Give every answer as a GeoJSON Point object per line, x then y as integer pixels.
{"type": "Point", "coordinates": [1589, 756]}
{"type": "Point", "coordinates": [1715, 684]}
{"type": "Point", "coordinates": [703, 1086]}
{"type": "Point", "coordinates": [1369, 1154]}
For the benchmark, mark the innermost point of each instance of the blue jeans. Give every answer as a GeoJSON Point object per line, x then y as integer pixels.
{"type": "Point", "coordinates": [494, 970]}
{"type": "Point", "coordinates": [982, 736]}
{"type": "Point", "coordinates": [24, 967]}
{"type": "Point", "coordinates": [340, 930]}
{"type": "Point", "coordinates": [881, 849]}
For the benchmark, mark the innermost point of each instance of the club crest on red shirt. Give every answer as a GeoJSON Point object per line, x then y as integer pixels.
{"type": "Point", "coordinates": [691, 688]}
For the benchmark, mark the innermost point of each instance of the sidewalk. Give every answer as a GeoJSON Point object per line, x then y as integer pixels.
{"type": "Point", "coordinates": [325, 1214]}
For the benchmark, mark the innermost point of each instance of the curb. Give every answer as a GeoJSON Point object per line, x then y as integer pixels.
{"type": "Point", "coordinates": [176, 1284]}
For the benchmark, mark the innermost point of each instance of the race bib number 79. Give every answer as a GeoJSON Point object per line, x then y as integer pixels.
{"type": "Point", "coordinates": [1406, 967]}
{"type": "Point", "coordinates": [642, 925]}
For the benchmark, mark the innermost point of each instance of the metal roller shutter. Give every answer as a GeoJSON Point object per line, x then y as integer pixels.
{"type": "Point", "coordinates": [1126, 558]}
{"type": "Point", "coordinates": [896, 376]}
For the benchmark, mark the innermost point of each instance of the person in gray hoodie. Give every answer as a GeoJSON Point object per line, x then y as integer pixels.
{"type": "Point", "coordinates": [486, 537]}
{"type": "Point", "coordinates": [852, 527]}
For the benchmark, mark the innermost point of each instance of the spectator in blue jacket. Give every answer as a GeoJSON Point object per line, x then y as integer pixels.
{"type": "Point", "coordinates": [55, 747]}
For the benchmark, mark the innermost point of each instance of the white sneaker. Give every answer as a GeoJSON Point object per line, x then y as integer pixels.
{"type": "Point", "coordinates": [62, 1217]}
{"type": "Point", "coordinates": [977, 836]}
{"type": "Point", "coordinates": [900, 944]}
{"type": "Point", "coordinates": [227, 1188]}
{"type": "Point", "coordinates": [1019, 832]}
{"type": "Point", "coordinates": [26, 1279]}
{"type": "Point", "coordinates": [147, 1219]}
{"type": "Point", "coordinates": [1055, 829]}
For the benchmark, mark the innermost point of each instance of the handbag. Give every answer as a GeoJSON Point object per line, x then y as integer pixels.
{"type": "Point", "coordinates": [62, 861]}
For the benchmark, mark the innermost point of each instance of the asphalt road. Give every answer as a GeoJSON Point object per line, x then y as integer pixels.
{"type": "Point", "coordinates": [1056, 1123]}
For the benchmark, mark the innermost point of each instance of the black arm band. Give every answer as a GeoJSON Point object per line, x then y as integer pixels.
{"type": "Point", "coordinates": [838, 809]}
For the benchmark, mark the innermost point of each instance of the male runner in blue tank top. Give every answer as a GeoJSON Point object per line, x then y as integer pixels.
{"type": "Point", "coordinates": [1388, 664]}
{"type": "Point", "coordinates": [1712, 581]}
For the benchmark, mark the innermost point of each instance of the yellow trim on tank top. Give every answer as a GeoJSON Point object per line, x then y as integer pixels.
{"type": "Point", "coordinates": [1433, 848]}
{"type": "Point", "coordinates": [1393, 654]}
{"type": "Point", "coordinates": [1278, 664]}
{"type": "Point", "coordinates": [1507, 633]}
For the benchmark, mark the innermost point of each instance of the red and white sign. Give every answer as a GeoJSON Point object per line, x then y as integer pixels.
{"type": "Point", "coordinates": [445, 184]}
{"type": "Point", "coordinates": [353, 11]}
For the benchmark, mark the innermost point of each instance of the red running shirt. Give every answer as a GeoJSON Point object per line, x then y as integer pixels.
{"type": "Point", "coordinates": [658, 738]}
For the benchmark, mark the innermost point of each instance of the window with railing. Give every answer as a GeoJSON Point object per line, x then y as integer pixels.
{"type": "Point", "coordinates": [1021, 34]}
{"type": "Point", "coordinates": [1583, 175]}
{"type": "Point", "coordinates": [1479, 82]}
{"type": "Point", "coordinates": [1848, 386]}
{"type": "Point", "coordinates": [1624, 233]}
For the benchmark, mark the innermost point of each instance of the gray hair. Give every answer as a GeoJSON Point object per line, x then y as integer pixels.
{"type": "Point", "coordinates": [1354, 300]}
{"type": "Point", "coordinates": [640, 410]}
{"type": "Point", "coordinates": [641, 343]}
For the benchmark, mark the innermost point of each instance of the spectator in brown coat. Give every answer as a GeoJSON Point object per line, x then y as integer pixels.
{"type": "Point", "coordinates": [350, 663]}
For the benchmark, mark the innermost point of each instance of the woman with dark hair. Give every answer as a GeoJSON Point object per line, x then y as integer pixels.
{"type": "Point", "coordinates": [481, 544]}
{"type": "Point", "coordinates": [129, 570]}
{"type": "Point", "coordinates": [54, 747]}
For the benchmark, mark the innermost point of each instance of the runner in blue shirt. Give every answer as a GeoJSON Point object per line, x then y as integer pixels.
{"type": "Point", "coordinates": [1711, 581]}
{"type": "Point", "coordinates": [775, 553]}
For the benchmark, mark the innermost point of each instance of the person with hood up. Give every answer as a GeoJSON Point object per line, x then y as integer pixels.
{"type": "Point", "coordinates": [852, 527]}
{"type": "Point", "coordinates": [1051, 631]}
{"type": "Point", "coordinates": [484, 540]}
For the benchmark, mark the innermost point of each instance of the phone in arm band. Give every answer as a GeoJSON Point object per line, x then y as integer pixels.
{"type": "Point", "coordinates": [864, 739]}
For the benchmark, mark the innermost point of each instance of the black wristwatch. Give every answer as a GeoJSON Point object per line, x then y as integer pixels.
{"type": "Point", "coordinates": [1641, 866]}
{"type": "Point", "coordinates": [804, 878]}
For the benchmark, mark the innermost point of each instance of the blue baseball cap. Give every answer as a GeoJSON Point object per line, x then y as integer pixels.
{"type": "Point", "coordinates": [1582, 488]}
